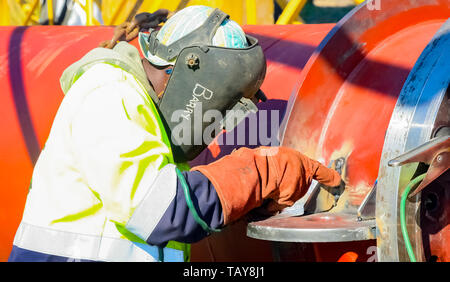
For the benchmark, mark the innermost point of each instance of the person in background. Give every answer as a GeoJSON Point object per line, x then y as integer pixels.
{"type": "Point", "coordinates": [69, 12]}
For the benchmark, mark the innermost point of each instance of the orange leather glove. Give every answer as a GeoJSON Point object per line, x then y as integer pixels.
{"type": "Point", "coordinates": [247, 177]}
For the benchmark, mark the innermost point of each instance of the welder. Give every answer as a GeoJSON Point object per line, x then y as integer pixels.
{"type": "Point", "coordinates": [112, 182]}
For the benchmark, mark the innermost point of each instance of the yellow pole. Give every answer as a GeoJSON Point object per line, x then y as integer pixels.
{"type": "Point", "coordinates": [181, 5]}
{"type": "Point", "coordinates": [133, 12]}
{"type": "Point", "coordinates": [4, 17]}
{"type": "Point", "coordinates": [357, 2]}
{"type": "Point", "coordinates": [156, 4]}
{"type": "Point", "coordinates": [89, 12]}
{"type": "Point", "coordinates": [251, 11]}
{"type": "Point", "coordinates": [117, 12]}
{"type": "Point", "coordinates": [291, 11]}
{"type": "Point", "coordinates": [30, 14]}
{"type": "Point", "coordinates": [50, 11]}
{"type": "Point", "coordinates": [81, 5]}
{"type": "Point", "coordinates": [282, 3]}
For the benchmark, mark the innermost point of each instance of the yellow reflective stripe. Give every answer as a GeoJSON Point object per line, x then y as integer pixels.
{"type": "Point", "coordinates": [142, 149]}
{"type": "Point", "coordinates": [154, 203]}
{"type": "Point", "coordinates": [143, 164]}
{"type": "Point", "coordinates": [127, 234]}
{"type": "Point", "coordinates": [124, 166]}
{"type": "Point", "coordinates": [87, 212]}
{"type": "Point", "coordinates": [150, 123]}
{"type": "Point", "coordinates": [150, 126]}
{"type": "Point", "coordinates": [163, 133]}
{"type": "Point", "coordinates": [125, 109]}
{"type": "Point", "coordinates": [183, 166]}
{"type": "Point", "coordinates": [76, 216]}
{"type": "Point", "coordinates": [186, 248]}
{"type": "Point", "coordinates": [164, 162]}
{"type": "Point", "coordinates": [77, 75]}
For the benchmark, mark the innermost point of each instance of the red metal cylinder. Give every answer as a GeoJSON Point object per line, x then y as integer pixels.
{"type": "Point", "coordinates": [350, 86]}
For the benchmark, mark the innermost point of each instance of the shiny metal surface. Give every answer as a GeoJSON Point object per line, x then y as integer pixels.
{"type": "Point", "coordinates": [321, 198]}
{"type": "Point", "coordinates": [367, 208]}
{"type": "Point", "coordinates": [435, 153]}
{"type": "Point", "coordinates": [349, 87]}
{"type": "Point", "coordinates": [424, 153]}
{"type": "Point", "coordinates": [319, 227]}
{"type": "Point", "coordinates": [412, 123]}
{"type": "Point", "coordinates": [345, 98]}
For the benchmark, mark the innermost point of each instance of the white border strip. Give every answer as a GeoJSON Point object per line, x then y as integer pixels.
{"type": "Point", "coordinates": [80, 246]}
{"type": "Point", "coordinates": [159, 196]}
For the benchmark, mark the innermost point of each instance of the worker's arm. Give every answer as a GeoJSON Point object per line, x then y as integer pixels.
{"type": "Point", "coordinates": [178, 224]}
{"type": "Point", "coordinates": [279, 176]}
{"type": "Point", "coordinates": [226, 190]}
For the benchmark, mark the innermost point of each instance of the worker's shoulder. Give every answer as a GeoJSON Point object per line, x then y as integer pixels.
{"type": "Point", "coordinates": [128, 50]}
{"type": "Point", "coordinates": [103, 78]}
{"type": "Point", "coordinates": [122, 51]}
{"type": "Point", "coordinates": [123, 56]}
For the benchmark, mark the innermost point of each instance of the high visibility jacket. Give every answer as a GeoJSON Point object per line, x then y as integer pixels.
{"type": "Point", "coordinates": [106, 175]}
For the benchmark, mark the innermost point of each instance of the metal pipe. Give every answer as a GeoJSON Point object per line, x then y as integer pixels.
{"type": "Point", "coordinates": [282, 3]}
{"type": "Point", "coordinates": [116, 12]}
{"type": "Point", "coordinates": [30, 14]}
{"type": "Point", "coordinates": [251, 11]}
{"type": "Point", "coordinates": [4, 17]}
{"type": "Point", "coordinates": [133, 12]}
{"type": "Point", "coordinates": [156, 4]}
{"type": "Point", "coordinates": [79, 3]}
{"type": "Point", "coordinates": [89, 12]}
{"type": "Point", "coordinates": [291, 11]}
{"type": "Point", "coordinates": [181, 5]}
{"type": "Point", "coordinates": [50, 12]}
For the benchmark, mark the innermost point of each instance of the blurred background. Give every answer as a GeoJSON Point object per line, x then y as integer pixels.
{"type": "Point", "coordinates": [114, 12]}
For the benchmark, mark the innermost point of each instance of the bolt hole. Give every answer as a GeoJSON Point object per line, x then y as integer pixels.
{"type": "Point", "coordinates": [431, 202]}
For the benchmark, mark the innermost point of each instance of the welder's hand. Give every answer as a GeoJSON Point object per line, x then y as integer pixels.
{"type": "Point", "coordinates": [128, 31]}
{"type": "Point", "coordinates": [247, 178]}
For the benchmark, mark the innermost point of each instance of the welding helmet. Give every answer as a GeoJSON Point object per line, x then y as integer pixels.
{"type": "Point", "coordinates": [217, 70]}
